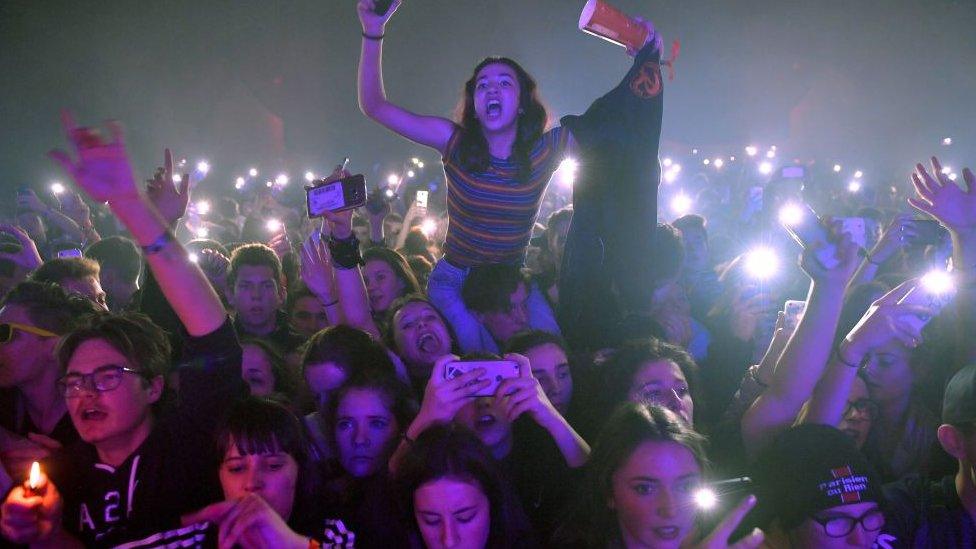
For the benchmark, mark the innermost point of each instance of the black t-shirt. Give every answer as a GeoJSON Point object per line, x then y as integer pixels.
{"type": "Point", "coordinates": [283, 338]}
{"type": "Point", "coordinates": [172, 472]}
{"type": "Point", "coordinates": [921, 513]}
{"type": "Point", "coordinates": [14, 418]}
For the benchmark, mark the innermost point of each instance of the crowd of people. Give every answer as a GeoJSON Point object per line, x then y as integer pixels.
{"type": "Point", "coordinates": [474, 373]}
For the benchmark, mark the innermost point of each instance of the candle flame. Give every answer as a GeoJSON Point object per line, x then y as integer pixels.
{"type": "Point", "coordinates": [34, 479]}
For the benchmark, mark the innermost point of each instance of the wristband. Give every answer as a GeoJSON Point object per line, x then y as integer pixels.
{"type": "Point", "coordinates": [840, 359]}
{"type": "Point", "coordinates": [376, 37]}
{"type": "Point", "coordinates": [345, 252]}
{"type": "Point", "coordinates": [157, 245]}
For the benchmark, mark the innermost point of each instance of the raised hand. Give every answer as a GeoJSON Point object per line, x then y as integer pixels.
{"type": "Point", "coordinates": [885, 320]}
{"type": "Point", "coordinates": [73, 206]}
{"type": "Point", "coordinates": [895, 236]}
{"type": "Point", "coordinates": [940, 197]}
{"type": "Point", "coordinates": [281, 244]}
{"type": "Point", "coordinates": [316, 269]}
{"type": "Point", "coordinates": [248, 523]}
{"type": "Point", "coordinates": [719, 537]}
{"type": "Point", "coordinates": [746, 310]}
{"type": "Point", "coordinates": [848, 256]}
{"type": "Point", "coordinates": [102, 168]}
{"type": "Point", "coordinates": [524, 394]}
{"type": "Point", "coordinates": [374, 24]}
{"type": "Point", "coordinates": [31, 517]}
{"type": "Point", "coordinates": [27, 200]}
{"type": "Point", "coordinates": [28, 258]}
{"type": "Point", "coordinates": [444, 397]}
{"type": "Point", "coordinates": [166, 194]}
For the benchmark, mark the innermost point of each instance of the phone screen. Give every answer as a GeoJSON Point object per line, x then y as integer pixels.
{"type": "Point", "coordinates": [422, 199]}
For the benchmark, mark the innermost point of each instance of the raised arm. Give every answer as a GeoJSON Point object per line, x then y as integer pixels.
{"type": "Point", "coordinates": [432, 131]}
{"type": "Point", "coordinates": [955, 208]}
{"type": "Point", "coordinates": [806, 354]}
{"type": "Point", "coordinates": [103, 170]}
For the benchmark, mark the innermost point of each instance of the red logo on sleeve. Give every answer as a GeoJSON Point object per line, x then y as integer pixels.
{"type": "Point", "coordinates": [647, 83]}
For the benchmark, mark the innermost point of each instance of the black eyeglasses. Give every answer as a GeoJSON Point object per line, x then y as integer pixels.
{"type": "Point", "coordinates": [104, 378]}
{"type": "Point", "coordinates": [840, 526]}
{"type": "Point", "coordinates": [863, 405]}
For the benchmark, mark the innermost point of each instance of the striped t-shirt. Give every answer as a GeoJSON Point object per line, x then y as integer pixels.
{"type": "Point", "coordinates": [492, 213]}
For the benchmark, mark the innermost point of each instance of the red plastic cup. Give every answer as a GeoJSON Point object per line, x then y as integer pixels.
{"type": "Point", "coordinates": [605, 21]}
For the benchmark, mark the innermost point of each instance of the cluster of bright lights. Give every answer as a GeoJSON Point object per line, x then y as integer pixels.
{"type": "Point", "coordinates": [672, 173]}
{"type": "Point", "coordinates": [762, 263]}
{"type": "Point", "coordinates": [239, 183]}
{"type": "Point", "coordinates": [417, 162]}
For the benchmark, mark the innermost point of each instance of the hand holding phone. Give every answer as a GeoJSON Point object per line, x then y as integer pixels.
{"type": "Point", "coordinates": [422, 199]}
{"type": "Point", "coordinates": [495, 371]}
{"type": "Point", "coordinates": [336, 196]}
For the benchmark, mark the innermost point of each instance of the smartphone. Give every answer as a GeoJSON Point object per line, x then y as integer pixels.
{"type": "Point", "coordinates": [928, 232]}
{"type": "Point", "coordinates": [808, 230]}
{"type": "Point", "coordinates": [933, 291]}
{"type": "Point", "coordinates": [854, 226]}
{"type": "Point", "coordinates": [793, 172]}
{"type": "Point", "coordinates": [336, 196]}
{"type": "Point", "coordinates": [715, 499]}
{"type": "Point", "coordinates": [380, 7]}
{"type": "Point", "coordinates": [422, 199]}
{"type": "Point", "coordinates": [70, 253]}
{"type": "Point", "coordinates": [495, 370]}
{"type": "Point", "coordinates": [792, 313]}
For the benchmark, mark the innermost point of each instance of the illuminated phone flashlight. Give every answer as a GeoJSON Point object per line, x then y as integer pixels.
{"type": "Point", "coordinates": [420, 165]}
{"type": "Point", "coordinates": [707, 161]}
{"type": "Point", "coordinates": [938, 283]}
{"type": "Point", "coordinates": [707, 497]}
{"type": "Point", "coordinates": [567, 172]}
{"type": "Point", "coordinates": [253, 172]}
{"type": "Point", "coordinates": [203, 167]}
{"type": "Point", "coordinates": [415, 160]}
{"type": "Point", "coordinates": [670, 176]}
{"type": "Point", "coordinates": [428, 226]}
{"type": "Point", "coordinates": [790, 215]}
{"type": "Point", "coordinates": [854, 186]}
{"type": "Point", "coordinates": [667, 162]}
{"type": "Point", "coordinates": [858, 174]}
{"type": "Point", "coordinates": [946, 170]}
{"type": "Point", "coordinates": [718, 162]}
{"type": "Point", "coordinates": [239, 183]}
{"type": "Point", "coordinates": [411, 173]}
{"type": "Point", "coordinates": [282, 179]}
{"type": "Point", "coordinates": [177, 178]}
{"type": "Point", "coordinates": [309, 176]}
{"type": "Point", "coordinates": [194, 257]}
{"type": "Point", "coordinates": [57, 187]}
{"type": "Point", "coordinates": [202, 232]}
{"type": "Point", "coordinates": [389, 193]}
{"type": "Point", "coordinates": [952, 176]}
{"type": "Point", "coordinates": [947, 141]}
{"type": "Point", "coordinates": [392, 179]}
{"type": "Point", "coordinates": [694, 151]}
{"type": "Point", "coordinates": [203, 207]}
{"type": "Point", "coordinates": [761, 263]}
{"type": "Point", "coordinates": [837, 168]}
{"type": "Point", "coordinates": [681, 204]}
{"type": "Point", "coordinates": [752, 150]}
{"type": "Point", "coordinates": [771, 153]}
{"type": "Point", "coordinates": [765, 168]}
{"type": "Point", "coordinates": [273, 225]}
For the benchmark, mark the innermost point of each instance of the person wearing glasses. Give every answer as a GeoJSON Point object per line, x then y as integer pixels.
{"type": "Point", "coordinates": [33, 417]}
{"type": "Point", "coordinates": [142, 463]}
{"type": "Point", "coordinates": [815, 489]}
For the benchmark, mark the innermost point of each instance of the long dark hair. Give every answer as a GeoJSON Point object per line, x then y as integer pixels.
{"type": "Point", "coordinates": [591, 522]}
{"type": "Point", "coordinates": [532, 121]}
{"type": "Point", "coordinates": [398, 264]}
{"type": "Point", "coordinates": [452, 451]}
